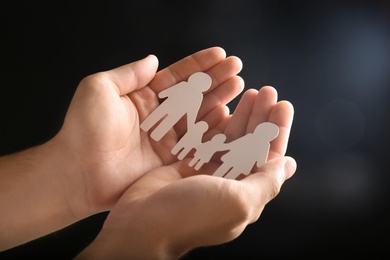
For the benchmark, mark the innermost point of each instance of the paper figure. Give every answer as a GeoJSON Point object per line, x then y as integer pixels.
{"type": "Point", "coordinates": [206, 150]}
{"type": "Point", "coordinates": [191, 139]}
{"type": "Point", "coordinates": [247, 150]}
{"type": "Point", "coordinates": [182, 99]}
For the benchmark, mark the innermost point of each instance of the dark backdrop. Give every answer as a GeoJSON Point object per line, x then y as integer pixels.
{"type": "Point", "coordinates": [329, 58]}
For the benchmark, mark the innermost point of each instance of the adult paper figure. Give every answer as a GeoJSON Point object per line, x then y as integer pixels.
{"type": "Point", "coordinates": [245, 151]}
{"type": "Point", "coordinates": [183, 98]}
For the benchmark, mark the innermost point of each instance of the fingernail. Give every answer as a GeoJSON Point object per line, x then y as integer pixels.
{"type": "Point", "coordinates": [290, 167]}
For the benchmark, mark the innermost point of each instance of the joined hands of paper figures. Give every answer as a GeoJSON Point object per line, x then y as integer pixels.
{"type": "Point", "coordinates": [185, 98]}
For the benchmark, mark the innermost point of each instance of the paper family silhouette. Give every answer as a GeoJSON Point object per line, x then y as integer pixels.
{"type": "Point", "coordinates": [184, 99]}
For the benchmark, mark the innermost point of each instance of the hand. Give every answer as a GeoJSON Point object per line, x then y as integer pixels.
{"type": "Point", "coordinates": [100, 151]}
{"type": "Point", "coordinates": [174, 208]}
{"type": "Point", "coordinates": [101, 130]}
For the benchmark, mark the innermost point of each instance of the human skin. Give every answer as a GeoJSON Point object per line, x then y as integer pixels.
{"type": "Point", "coordinates": [100, 150]}
{"type": "Point", "coordinates": [175, 208]}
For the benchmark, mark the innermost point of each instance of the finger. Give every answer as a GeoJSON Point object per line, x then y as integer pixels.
{"type": "Point", "coordinates": [223, 71]}
{"type": "Point", "coordinates": [265, 185]}
{"type": "Point", "coordinates": [135, 75]}
{"type": "Point", "coordinates": [265, 100]}
{"type": "Point", "coordinates": [225, 87]}
{"type": "Point", "coordinates": [282, 115]}
{"type": "Point", "coordinates": [217, 99]}
{"type": "Point", "coordinates": [237, 124]}
{"type": "Point", "coordinates": [216, 116]}
{"type": "Point", "coordinates": [181, 70]}
{"type": "Point", "coordinates": [219, 128]}
{"type": "Point", "coordinates": [221, 95]}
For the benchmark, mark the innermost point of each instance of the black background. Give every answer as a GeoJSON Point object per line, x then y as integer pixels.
{"type": "Point", "coordinates": [329, 58]}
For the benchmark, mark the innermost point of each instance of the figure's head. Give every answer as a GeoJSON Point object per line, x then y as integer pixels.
{"type": "Point", "coordinates": [200, 80]}
{"type": "Point", "coordinates": [202, 125]}
{"type": "Point", "coordinates": [267, 131]}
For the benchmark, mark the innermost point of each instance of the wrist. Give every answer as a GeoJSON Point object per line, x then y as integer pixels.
{"type": "Point", "coordinates": [132, 236]}
{"type": "Point", "coordinates": [36, 194]}
{"type": "Point", "coordinates": [117, 247]}
{"type": "Point", "coordinates": [68, 171]}
{"type": "Point", "coordinates": [128, 245]}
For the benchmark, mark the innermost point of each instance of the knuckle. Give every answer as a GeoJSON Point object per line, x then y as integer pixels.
{"type": "Point", "coordinates": [94, 81]}
{"type": "Point", "coordinates": [274, 187]}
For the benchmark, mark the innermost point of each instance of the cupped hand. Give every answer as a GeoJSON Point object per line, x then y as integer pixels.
{"type": "Point", "coordinates": [101, 132]}
{"type": "Point", "coordinates": [175, 208]}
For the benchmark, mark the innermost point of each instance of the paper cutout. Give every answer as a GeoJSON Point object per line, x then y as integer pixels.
{"type": "Point", "coordinates": [192, 138]}
{"type": "Point", "coordinates": [184, 99]}
{"type": "Point", "coordinates": [247, 151]}
{"type": "Point", "coordinates": [206, 150]}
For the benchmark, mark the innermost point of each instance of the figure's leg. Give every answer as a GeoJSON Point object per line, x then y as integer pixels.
{"type": "Point", "coordinates": [152, 119]}
{"type": "Point", "coordinates": [193, 162]}
{"type": "Point", "coordinates": [165, 125]}
{"type": "Point", "coordinates": [183, 153]}
{"type": "Point", "coordinates": [176, 148]}
{"type": "Point", "coordinates": [200, 164]}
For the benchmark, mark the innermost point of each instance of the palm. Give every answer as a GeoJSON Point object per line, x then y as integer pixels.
{"type": "Point", "coordinates": [253, 109]}
{"type": "Point", "coordinates": [203, 203]}
{"type": "Point", "coordinates": [102, 131]}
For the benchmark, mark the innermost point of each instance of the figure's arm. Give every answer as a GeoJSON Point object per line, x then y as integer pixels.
{"type": "Point", "coordinates": [168, 91]}
{"type": "Point", "coordinates": [263, 155]}
{"type": "Point", "coordinates": [192, 112]}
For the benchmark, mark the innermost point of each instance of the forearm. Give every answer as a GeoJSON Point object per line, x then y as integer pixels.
{"type": "Point", "coordinates": [34, 194]}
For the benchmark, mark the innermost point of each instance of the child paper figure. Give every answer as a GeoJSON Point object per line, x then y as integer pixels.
{"type": "Point", "coordinates": [206, 150]}
{"type": "Point", "coordinates": [246, 151]}
{"type": "Point", "coordinates": [182, 99]}
{"type": "Point", "coordinates": [191, 139]}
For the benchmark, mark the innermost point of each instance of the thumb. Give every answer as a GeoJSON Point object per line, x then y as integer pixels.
{"type": "Point", "coordinates": [135, 75]}
{"type": "Point", "coordinates": [270, 176]}
{"type": "Point", "coordinates": [282, 167]}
